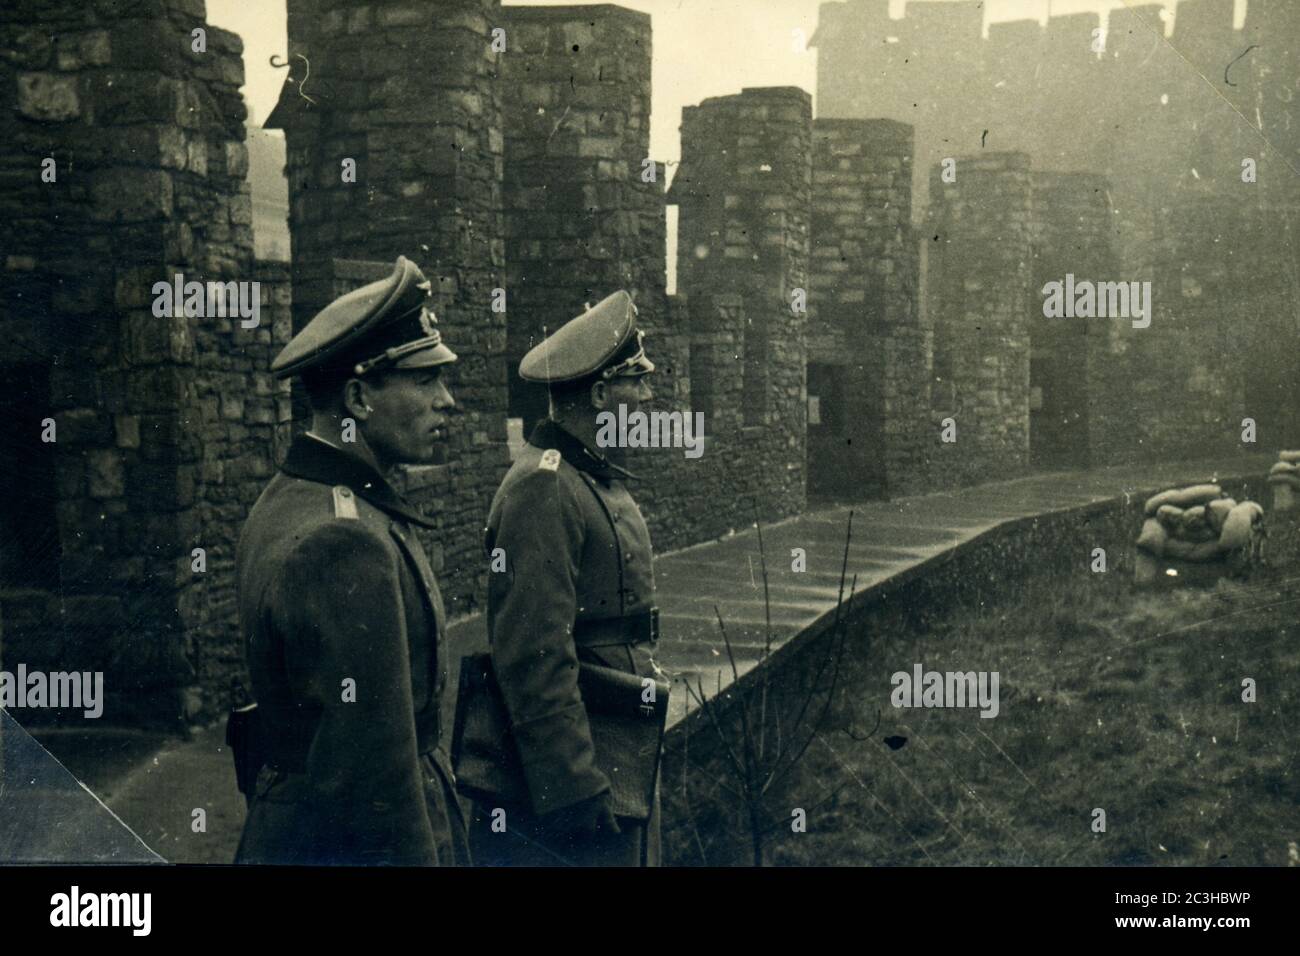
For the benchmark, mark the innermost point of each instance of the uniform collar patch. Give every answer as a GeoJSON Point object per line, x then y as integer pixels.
{"type": "Point", "coordinates": [552, 437]}
{"type": "Point", "coordinates": [314, 459]}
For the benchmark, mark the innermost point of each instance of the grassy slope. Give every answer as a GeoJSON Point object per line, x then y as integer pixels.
{"type": "Point", "coordinates": [1111, 696]}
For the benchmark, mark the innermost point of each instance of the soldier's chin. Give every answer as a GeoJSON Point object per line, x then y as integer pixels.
{"type": "Point", "coordinates": [434, 453]}
{"type": "Point", "coordinates": [437, 453]}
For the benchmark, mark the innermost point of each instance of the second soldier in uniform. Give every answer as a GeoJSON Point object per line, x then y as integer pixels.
{"type": "Point", "coordinates": [578, 590]}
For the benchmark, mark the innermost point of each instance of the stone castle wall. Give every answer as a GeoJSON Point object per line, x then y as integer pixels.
{"type": "Point", "coordinates": [743, 191]}
{"type": "Point", "coordinates": [155, 416]}
{"type": "Point", "coordinates": [864, 317]}
{"type": "Point", "coordinates": [581, 220]}
{"type": "Point", "coordinates": [1071, 386]}
{"type": "Point", "coordinates": [982, 303]}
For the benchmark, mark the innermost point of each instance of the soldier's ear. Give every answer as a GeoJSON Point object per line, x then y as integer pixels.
{"type": "Point", "coordinates": [599, 395]}
{"type": "Point", "coordinates": [356, 399]}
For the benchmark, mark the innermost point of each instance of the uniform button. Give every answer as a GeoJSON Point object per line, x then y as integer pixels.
{"type": "Point", "coordinates": [628, 556]}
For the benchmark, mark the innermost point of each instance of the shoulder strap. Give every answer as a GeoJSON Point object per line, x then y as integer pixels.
{"type": "Point", "coordinates": [345, 504]}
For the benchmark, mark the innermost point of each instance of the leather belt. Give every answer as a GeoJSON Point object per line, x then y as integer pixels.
{"type": "Point", "coordinates": [640, 628]}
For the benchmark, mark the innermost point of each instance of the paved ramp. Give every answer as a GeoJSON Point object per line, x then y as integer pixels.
{"type": "Point", "coordinates": [889, 539]}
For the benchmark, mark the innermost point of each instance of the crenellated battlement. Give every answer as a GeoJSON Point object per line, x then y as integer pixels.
{"type": "Point", "coordinates": [1175, 97]}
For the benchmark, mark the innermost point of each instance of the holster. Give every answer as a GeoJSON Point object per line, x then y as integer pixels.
{"type": "Point", "coordinates": [247, 745]}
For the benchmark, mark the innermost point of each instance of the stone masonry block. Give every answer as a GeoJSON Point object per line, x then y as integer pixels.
{"type": "Point", "coordinates": [48, 97]}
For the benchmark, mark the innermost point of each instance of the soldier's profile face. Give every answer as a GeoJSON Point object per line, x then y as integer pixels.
{"type": "Point", "coordinates": [409, 418]}
{"type": "Point", "coordinates": [629, 390]}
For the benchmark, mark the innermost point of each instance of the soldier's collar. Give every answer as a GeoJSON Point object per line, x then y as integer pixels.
{"type": "Point", "coordinates": [549, 434]}
{"type": "Point", "coordinates": [315, 459]}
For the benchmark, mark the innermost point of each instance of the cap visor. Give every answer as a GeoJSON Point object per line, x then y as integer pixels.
{"type": "Point", "coordinates": [426, 358]}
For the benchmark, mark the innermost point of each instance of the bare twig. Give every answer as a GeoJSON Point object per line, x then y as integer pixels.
{"type": "Point", "coordinates": [756, 766]}
{"type": "Point", "coordinates": [821, 717]}
{"type": "Point", "coordinates": [708, 709]}
{"type": "Point", "coordinates": [751, 758]}
{"type": "Point", "coordinates": [839, 603]}
{"type": "Point", "coordinates": [767, 639]}
{"type": "Point", "coordinates": [686, 796]}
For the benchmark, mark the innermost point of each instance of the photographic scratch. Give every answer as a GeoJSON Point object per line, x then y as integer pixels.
{"type": "Point", "coordinates": [1253, 46]}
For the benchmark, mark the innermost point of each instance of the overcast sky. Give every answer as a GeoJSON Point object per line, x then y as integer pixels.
{"type": "Point", "coordinates": [701, 47]}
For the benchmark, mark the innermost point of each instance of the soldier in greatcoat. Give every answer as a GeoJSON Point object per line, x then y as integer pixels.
{"type": "Point", "coordinates": [344, 626]}
{"type": "Point", "coordinates": [578, 586]}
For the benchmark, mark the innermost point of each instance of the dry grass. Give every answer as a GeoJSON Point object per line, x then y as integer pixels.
{"type": "Point", "coordinates": [1111, 697]}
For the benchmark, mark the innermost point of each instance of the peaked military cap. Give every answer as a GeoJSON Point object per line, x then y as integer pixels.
{"type": "Point", "coordinates": [386, 324]}
{"type": "Point", "coordinates": [603, 341]}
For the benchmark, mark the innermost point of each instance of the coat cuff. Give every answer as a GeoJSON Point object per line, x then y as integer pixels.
{"type": "Point", "coordinates": [559, 760]}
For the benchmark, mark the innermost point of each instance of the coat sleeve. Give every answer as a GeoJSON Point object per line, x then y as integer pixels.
{"type": "Point", "coordinates": [343, 619]}
{"type": "Point", "coordinates": [534, 605]}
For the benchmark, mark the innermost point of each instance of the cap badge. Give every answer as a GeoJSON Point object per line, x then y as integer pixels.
{"type": "Point", "coordinates": [427, 321]}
